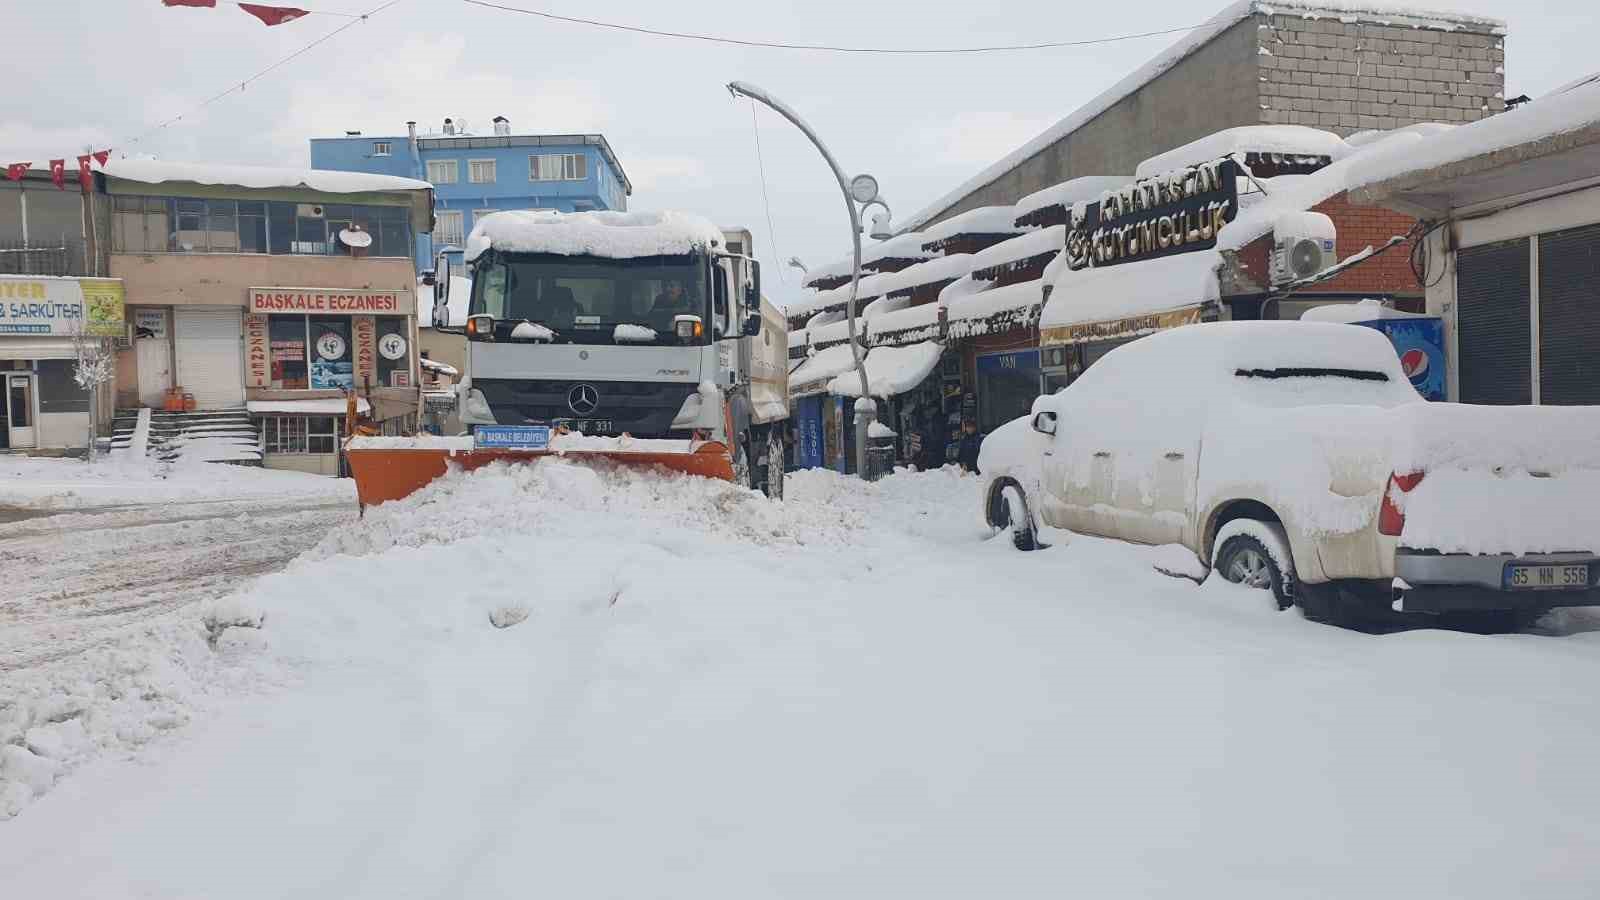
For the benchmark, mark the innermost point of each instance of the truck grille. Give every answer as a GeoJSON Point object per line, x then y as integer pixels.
{"type": "Point", "coordinates": [641, 408]}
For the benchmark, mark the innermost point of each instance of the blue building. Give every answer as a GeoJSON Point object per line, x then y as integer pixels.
{"type": "Point", "coordinates": [476, 174]}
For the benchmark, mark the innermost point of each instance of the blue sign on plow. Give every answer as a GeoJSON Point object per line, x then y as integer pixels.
{"type": "Point", "coordinates": [515, 437]}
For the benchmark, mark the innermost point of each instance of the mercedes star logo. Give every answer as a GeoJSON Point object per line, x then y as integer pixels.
{"type": "Point", "coordinates": [583, 399]}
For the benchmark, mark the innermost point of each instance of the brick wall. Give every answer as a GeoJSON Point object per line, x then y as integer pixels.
{"type": "Point", "coordinates": [1350, 76]}
{"type": "Point", "coordinates": [1359, 227]}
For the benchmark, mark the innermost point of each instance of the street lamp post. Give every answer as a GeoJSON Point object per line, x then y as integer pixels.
{"type": "Point", "coordinates": [863, 190]}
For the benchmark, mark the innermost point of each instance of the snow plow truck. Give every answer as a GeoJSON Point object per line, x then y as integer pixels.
{"type": "Point", "coordinates": [637, 338]}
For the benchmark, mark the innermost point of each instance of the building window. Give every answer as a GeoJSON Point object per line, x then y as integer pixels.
{"type": "Point", "coordinates": [558, 167]}
{"type": "Point", "coordinates": [300, 434]}
{"type": "Point", "coordinates": [480, 171]}
{"type": "Point", "coordinates": [447, 227]}
{"type": "Point", "coordinates": [287, 338]}
{"type": "Point", "coordinates": [394, 351]}
{"type": "Point", "coordinates": [332, 353]}
{"type": "Point", "coordinates": [380, 148]}
{"type": "Point", "coordinates": [442, 171]}
{"type": "Point", "coordinates": [187, 225]}
{"type": "Point", "coordinates": [140, 224]}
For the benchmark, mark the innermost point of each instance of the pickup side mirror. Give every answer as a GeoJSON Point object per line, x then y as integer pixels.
{"type": "Point", "coordinates": [441, 291]}
{"type": "Point", "coordinates": [752, 324]}
{"type": "Point", "coordinates": [1045, 423]}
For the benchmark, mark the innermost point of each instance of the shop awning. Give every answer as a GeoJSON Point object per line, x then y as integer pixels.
{"type": "Point", "coordinates": [891, 371]}
{"type": "Point", "coordinates": [328, 406]}
{"type": "Point", "coordinates": [1129, 300]}
{"type": "Point", "coordinates": [1007, 308]}
{"type": "Point", "coordinates": [813, 375]}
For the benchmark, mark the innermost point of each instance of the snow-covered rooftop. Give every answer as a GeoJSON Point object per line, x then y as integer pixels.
{"type": "Point", "coordinates": [1376, 12]}
{"type": "Point", "coordinates": [1024, 246]}
{"type": "Point", "coordinates": [156, 171]}
{"type": "Point", "coordinates": [1106, 293]}
{"type": "Point", "coordinates": [1069, 192]}
{"type": "Point", "coordinates": [983, 220]}
{"type": "Point", "coordinates": [615, 235]}
{"type": "Point", "coordinates": [1296, 140]}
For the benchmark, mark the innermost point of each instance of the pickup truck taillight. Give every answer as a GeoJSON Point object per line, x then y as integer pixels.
{"type": "Point", "coordinates": [1391, 518]}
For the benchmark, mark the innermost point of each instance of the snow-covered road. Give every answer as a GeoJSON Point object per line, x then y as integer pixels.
{"type": "Point", "coordinates": [855, 693]}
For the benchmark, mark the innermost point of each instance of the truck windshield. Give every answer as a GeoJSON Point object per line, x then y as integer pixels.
{"type": "Point", "coordinates": [590, 300]}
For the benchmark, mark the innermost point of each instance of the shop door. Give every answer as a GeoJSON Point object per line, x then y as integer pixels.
{"type": "Point", "coordinates": [1569, 329]}
{"type": "Point", "coordinates": [1007, 386]}
{"type": "Point", "coordinates": [20, 409]}
{"type": "Point", "coordinates": [211, 355]}
{"type": "Point", "coordinates": [1494, 331]}
{"type": "Point", "coordinates": [154, 356]}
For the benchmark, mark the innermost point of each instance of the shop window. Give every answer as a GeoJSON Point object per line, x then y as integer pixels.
{"type": "Point", "coordinates": [58, 392]}
{"type": "Point", "coordinates": [286, 336]}
{"type": "Point", "coordinates": [331, 355]}
{"type": "Point", "coordinates": [283, 434]}
{"type": "Point", "coordinates": [322, 434]}
{"type": "Point", "coordinates": [394, 356]}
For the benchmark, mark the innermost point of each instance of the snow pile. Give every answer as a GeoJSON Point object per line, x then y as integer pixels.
{"type": "Point", "coordinates": [822, 365]}
{"type": "Point", "coordinates": [891, 371]}
{"type": "Point", "coordinates": [438, 368]}
{"type": "Point", "coordinates": [902, 322]}
{"type": "Point", "coordinates": [634, 334]}
{"type": "Point", "coordinates": [616, 235]}
{"type": "Point", "coordinates": [1035, 243]}
{"type": "Point", "coordinates": [120, 480]}
{"type": "Point", "coordinates": [1103, 293]}
{"type": "Point", "coordinates": [1286, 140]}
{"type": "Point", "coordinates": [532, 331]}
{"type": "Point", "coordinates": [879, 430]}
{"type": "Point", "coordinates": [907, 245]}
{"type": "Point", "coordinates": [1456, 510]}
{"type": "Point", "coordinates": [152, 171]}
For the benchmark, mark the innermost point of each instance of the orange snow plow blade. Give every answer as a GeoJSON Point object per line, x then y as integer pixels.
{"type": "Point", "coordinates": [392, 468]}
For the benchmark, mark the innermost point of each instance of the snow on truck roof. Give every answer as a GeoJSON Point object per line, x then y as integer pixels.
{"type": "Point", "coordinates": [615, 235]}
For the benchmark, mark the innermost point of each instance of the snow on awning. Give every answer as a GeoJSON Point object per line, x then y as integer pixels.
{"type": "Point", "coordinates": [905, 326]}
{"type": "Point", "coordinates": [943, 268]}
{"type": "Point", "coordinates": [891, 371]}
{"type": "Point", "coordinates": [1287, 140]}
{"type": "Point", "coordinates": [1026, 246]}
{"type": "Point", "coordinates": [813, 375]}
{"type": "Point", "coordinates": [1030, 209]}
{"type": "Point", "coordinates": [983, 220]}
{"type": "Point", "coordinates": [1131, 299]}
{"type": "Point", "coordinates": [834, 298]}
{"type": "Point", "coordinates": [995, 310]}
{"type": "Point", "coordinates": [329, 406]}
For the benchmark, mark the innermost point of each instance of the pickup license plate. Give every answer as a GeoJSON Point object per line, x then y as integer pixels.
{"type": "Point", "coordinates": [586, 426]}
{"type": "Point", "coordinates": [1519, 577]}
{"type": "Point", "coordinates": [515, 437]}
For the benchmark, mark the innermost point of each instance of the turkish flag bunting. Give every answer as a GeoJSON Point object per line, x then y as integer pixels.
{"type": "Point", "coordinates": [85, 180]}
{"type": "Point", "coordinates": [273, 15]}
{"type": "Point", "coordinates": [58, 173]}
{"type": "Point", "coordinates": [16, 171]}
{"type": "Point", "coordinates": [207, 3]}
{"type": "Point", "coordinates": [100, 156]}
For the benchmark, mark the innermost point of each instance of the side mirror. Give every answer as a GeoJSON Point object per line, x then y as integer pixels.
{"type": "Point", "coordinates": [1045, 423]}
{"type": "Point", "coordinates": [752, 324]}
{"type": "Point", "coordinates": [441, 292]}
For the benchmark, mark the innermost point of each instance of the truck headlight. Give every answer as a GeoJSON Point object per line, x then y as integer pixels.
{"type": "Point", "coordinates": [688, 328]}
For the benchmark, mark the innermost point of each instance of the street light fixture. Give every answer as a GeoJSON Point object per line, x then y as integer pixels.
{"type": "Point", "coordinates": [862, 190]}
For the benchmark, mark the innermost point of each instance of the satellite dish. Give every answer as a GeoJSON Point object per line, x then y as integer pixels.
{"type": "Point", "coordinates": [353, 238]}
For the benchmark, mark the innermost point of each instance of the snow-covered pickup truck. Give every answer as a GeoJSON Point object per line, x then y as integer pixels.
{"type": "Point", "coordinates": [1296, 456]}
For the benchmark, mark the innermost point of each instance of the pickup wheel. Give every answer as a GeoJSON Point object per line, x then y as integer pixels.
{"type": "Point", "coordinates": [1243, 560]}
{"type": "Point", "coordinates": [1009, 508]}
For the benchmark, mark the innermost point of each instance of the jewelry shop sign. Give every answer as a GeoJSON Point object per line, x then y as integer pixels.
{"type": "Point", "coordinates": [1176, 212]}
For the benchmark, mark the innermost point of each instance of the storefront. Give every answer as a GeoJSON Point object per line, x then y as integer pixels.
{"type": "Point", "coordinates": [42, 322]}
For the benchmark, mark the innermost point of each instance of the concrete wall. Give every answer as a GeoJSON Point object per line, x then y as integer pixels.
{"type": "Point", "coordinates": [1350, 76]}
{"type": "Point", "coordinates": [314, 463]}
{"type": "Point", "coordinates": [175, 279]}
{"type": "Point", "coordinates": [1214, 88]}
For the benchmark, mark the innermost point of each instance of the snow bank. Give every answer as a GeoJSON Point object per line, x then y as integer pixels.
{"type": "Point", "coordinates": [152, 171]}
{"type": "Point", "coordinates": [891, 371]}
{"type": "Point", "coordinates": [616, 235]}
{"type": "Point", "coordinates": [1288, 140]}
{"type": "Point", "coordinates": [413, 442]}
{"type": "Point", "coordinates": [121, 480]}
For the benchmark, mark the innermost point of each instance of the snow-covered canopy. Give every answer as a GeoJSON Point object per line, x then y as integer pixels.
{"type": "Point", "coordinates": [1067, 193]}
{"type": "Point", "coordinates": [615, 235]}
{"type": "Point", "coordinates": [1024, 246]}
{"type": "Point", "coordinates": [1289, 140]}
{"type": "Point", "coordinates": [1106, 293]}
{"type": "Point", "coordinates": [459, 299]}
{"type": "Point", "coordinates": [156, 171]}
{"type": "Point", "coordinates": [997, 309]}
{"type": "Point", "coordinates": [902, 246]}
{"type": "Point", "coordinates": [812, 376]}
{"type": "Point", "coordinates": [1349, 10]}
{"type": "Point", "coordinates": [983, 220]}
{"type": "Point", "coordinates": [908, 323]}
{"type": "Point", "coordinates": [891, 371]}
{"type": "Point", "coordinates": [817, 301]}
{"type": "Point", "coordinates": [943, 268]}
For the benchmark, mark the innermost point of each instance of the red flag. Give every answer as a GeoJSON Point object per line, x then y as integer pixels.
{"type": "Point", "coordinates": [58, 173]}
{"type": "Point", "coordinates": [16, 171]}
{"type": "Point", "coordinates": [100, 156]}
{"type": "Point", "coordinates": [273, 15]}
{"type": "Point", "coordinates": [85, 180]}
{"type": "Point", "coordinates": [206, 3]}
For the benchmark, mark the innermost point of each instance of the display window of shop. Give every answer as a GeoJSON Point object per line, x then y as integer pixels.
{"type": "Point", "coordinates": [286, 337]}
{"type": "Point", "coordinates": [300, 434]}
{"type": "Point", "coordinates": [311, 352]}
{"type": "Point", "coordinates": [191, 225]}
{"type": "Point", "coordinates": [1007, 386]}
{"type": "Point", "coordinates": [394, 361]}
{"type": "Point", "coordinates": [58, 390]}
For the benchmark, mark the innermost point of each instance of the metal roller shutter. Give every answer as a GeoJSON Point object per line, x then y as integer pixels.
{"type": "Point", "coordinates": [1494, 327]}
{"type": "Point", "coordinates": [1569, 316]}
{"type": "Point", "coordinates": [211, 355]}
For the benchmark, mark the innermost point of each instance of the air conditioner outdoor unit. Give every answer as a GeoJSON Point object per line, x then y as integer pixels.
{"type": "Point", "coordinates": [124, 341]}
{"type": "Point", "coordinates": [1302, 246]}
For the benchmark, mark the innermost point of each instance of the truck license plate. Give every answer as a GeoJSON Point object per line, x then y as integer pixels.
{"type": "Point", "coordinates": [1546, 578]}
{"type": "Point", "coordinates": [515, 437]}
{"type": "Point", "coordinates": [586, 426]}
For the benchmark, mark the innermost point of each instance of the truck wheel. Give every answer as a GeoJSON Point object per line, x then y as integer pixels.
{"type": "Point", "coordinates": [1243, 560]}
{"type": "Point", "coordinates": [775, 463]}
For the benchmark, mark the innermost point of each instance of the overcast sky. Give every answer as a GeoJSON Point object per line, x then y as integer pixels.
{"type": "Point", "coordinates": [103, 71]}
